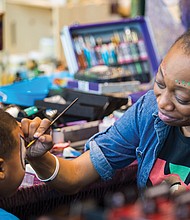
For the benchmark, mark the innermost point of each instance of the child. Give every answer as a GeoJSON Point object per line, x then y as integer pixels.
{"type": "Point", "coordinates": [12, 158]}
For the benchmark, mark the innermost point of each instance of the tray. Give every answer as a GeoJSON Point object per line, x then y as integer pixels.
{"type": "Point", "coordinates": [88, 106]}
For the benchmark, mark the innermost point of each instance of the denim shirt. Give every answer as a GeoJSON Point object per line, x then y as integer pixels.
{"type": "Point", "coordinates": [138, 135]}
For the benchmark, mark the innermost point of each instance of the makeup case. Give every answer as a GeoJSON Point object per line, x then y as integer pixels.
{"type": "Point", "coordinates": [110, 52]}
{"type": "Point", "coordinates": [106, 60]}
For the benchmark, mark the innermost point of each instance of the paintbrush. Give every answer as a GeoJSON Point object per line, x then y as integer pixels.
{"type": "Point", "coordinates": [33, 141]}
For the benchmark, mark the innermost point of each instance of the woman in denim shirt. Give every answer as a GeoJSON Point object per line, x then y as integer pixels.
{"type": "Point", "coordinates": [148, 131]}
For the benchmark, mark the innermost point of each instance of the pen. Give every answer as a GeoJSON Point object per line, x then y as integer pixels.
{"type": "Point", "coordinates": [33, 141]}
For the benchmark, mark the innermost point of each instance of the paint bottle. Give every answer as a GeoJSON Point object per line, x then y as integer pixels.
{"type": "Point", "coordinates": [28, 112]}
{"type": "Point", "coordinates": [132, 44]}
{"type": "Point", "coordinates": [80, 54]}
{"type": "Point", "coordinates": [58, 135]}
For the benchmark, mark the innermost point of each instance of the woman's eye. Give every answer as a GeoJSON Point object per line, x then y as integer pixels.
{"type": "Point", "coordinates": [183, 102]}
{"type": "Point", "coordinates": [160, 85]}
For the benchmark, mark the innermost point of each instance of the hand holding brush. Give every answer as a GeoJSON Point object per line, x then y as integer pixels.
{"type": "Point", "coordinates": [35, 139]}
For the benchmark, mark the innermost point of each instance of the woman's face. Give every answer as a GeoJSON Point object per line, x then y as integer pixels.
{"type": "Point", "coordinates": [14, 169]}
{"type": "Point", "coordinates": [172, 88]}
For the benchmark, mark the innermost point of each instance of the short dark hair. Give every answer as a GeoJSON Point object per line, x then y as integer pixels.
{"type": "Point", "coordinates": [183, 42]}
{"type": "Point", "coordinates": [8, 142]}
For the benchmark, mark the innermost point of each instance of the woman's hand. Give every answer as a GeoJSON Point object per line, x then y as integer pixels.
{"type": "Point", "coordinates": [34, 129]}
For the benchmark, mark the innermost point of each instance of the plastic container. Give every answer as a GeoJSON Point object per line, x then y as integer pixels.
{"type": "Point", "coordinates": [25, 93]}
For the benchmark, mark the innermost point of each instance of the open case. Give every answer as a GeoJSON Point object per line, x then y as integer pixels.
{"type": "Point", "coordinates": [104, 57]}
{"type": "Point", "coordinates": [117, 51]}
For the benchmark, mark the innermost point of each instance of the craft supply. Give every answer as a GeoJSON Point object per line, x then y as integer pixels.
{"type": "Point", "coordinates": [58, 135]}
{"type": "Point", "coordinates": [33, 141]}
{"type": "Point", "coordinates": [28, 112]}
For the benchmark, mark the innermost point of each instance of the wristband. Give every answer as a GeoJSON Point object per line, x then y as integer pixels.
{"type": "Point", "coordinates": [52, 177]}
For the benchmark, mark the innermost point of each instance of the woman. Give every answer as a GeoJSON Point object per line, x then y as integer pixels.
{"type": "Point", "coordinates": [155, 132]}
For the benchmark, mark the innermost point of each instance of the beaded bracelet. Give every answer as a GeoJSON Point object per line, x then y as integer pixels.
{"type": "Point", "coordinates": [52, 177]}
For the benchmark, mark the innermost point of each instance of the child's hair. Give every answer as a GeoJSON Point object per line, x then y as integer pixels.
{"type": "Point", "coordinates": [7, 140]}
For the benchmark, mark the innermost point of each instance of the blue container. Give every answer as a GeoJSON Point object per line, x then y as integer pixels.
{"type": "Point", "coordinates": [25, 93]}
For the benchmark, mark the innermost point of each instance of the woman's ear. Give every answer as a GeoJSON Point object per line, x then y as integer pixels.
{"type": "Point", "coordinates": [2, 169]}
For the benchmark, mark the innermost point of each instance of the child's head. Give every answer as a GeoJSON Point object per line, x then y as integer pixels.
{"type": "Point", "coordinates": [12, 152]}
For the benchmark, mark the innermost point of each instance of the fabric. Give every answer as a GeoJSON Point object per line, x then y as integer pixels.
{"type": "Point", "coordinates": [138, 135]}
{"type": "Point", "coordinates": [6, 215]}
{"type": "Point", "coordinates": [40, 199]}
{"type": "Point", "coordinates": [164, 31]}
{"type": "Point", "coordinates": [185, 15]}
{"type": "Point", "coordinates": [173, 163]}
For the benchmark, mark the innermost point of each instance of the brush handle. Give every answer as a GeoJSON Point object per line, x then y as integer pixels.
{"type": "Point", "coordinates": [60, 115]}
{"type": "Point", "coordinates": [33, 141]}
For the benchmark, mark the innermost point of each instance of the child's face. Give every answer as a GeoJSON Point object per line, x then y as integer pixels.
{"type": "Point", "coordinates": [13, 168]}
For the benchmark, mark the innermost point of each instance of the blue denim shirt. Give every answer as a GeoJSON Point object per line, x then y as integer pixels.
{"type": "Point", "coordinates": [138, 135]}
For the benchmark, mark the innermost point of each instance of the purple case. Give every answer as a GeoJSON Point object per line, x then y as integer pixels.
{"type": "Point", "coordinates": [127, 44]}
